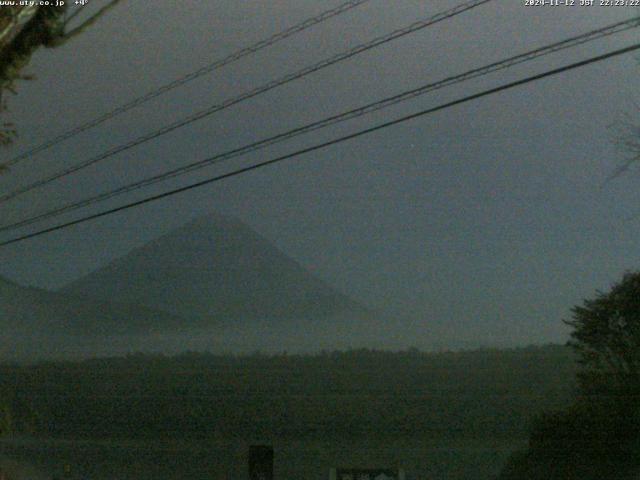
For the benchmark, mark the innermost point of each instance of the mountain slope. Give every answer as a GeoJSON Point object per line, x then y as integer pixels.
{"type": "Point", "coordinates": [216, 271]}
{"type": "Point", "coordinates": [42, 323]}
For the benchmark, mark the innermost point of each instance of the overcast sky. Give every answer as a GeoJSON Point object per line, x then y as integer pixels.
{"type": "Point", "coordinates": [479, 225]}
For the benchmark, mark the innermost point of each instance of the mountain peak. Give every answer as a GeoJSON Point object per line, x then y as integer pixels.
{"type": "Point", "coordinates": [215, 270]}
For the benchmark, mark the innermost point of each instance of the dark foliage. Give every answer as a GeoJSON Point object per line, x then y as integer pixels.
{"type": "Point", "coordinates": [599, 436]}
{"type": "Point", "coordinates": [606, 336]}
{"type": "Point", "coordinates": [46, 27]}
{"type": "Point", "coordinates": [477, 394]}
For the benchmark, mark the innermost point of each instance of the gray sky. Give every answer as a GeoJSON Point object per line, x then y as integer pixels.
{"type": "Point", "coordinates": [481, 224]}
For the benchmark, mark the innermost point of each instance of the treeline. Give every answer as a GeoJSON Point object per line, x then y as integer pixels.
{"type": "Point", "coordinates": [484, 393]}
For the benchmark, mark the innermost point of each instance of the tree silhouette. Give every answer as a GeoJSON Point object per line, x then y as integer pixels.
{"type": "Point", "coordinates": [25, 29]}
{"type": "Point", "coordinates": [606, 337]}
{"type": "Point", "coordinates": [598, 436]}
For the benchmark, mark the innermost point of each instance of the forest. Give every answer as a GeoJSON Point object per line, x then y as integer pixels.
{"type": "Point", "coordinates": [474, 394]}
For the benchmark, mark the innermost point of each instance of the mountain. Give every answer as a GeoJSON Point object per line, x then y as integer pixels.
{"type": "Point", "coordinates": [39, 323]}
{"type": "Point", "coordinates": [216, 271]}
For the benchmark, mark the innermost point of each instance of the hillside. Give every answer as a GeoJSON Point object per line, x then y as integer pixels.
{"type": "Point", "coordinates": [38, 323]}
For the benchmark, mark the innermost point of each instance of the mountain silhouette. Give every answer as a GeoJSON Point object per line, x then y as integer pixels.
{"type": "Point", "coordinates": [216, 271]}
{"type": "Point", "coordinates": [37, 323]}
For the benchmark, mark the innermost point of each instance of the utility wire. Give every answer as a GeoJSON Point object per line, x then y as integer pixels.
{"type": "Point", "coordinates": [332, 120]}
{"type": "Point", "coordinates": [304, 25]}
{"type": "Point", "coordinates": [249, 94]}
{"type": "Point", "coordinates": [335, 141]}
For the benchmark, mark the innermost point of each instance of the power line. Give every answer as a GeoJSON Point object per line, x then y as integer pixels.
{"type": "Point", "coordinates": [304, 25]}
{"type": "Point", "coordinates": [332, 120]}
{"type": "Point", "coordinates": [335, 141]}
{"type": "Point", "coordinates": [414, 27]}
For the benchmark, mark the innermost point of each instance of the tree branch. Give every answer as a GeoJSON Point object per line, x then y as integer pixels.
{"type": "Point", "coordinates": [87, 23]}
